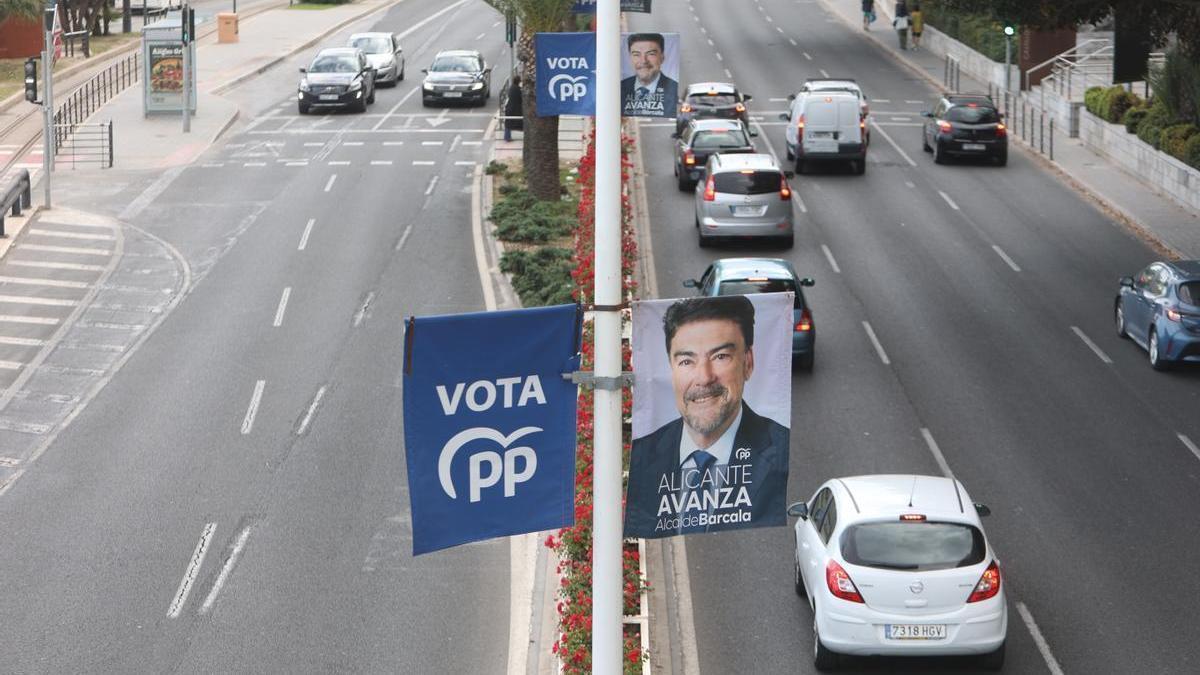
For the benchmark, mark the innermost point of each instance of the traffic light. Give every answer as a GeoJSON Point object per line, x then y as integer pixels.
{"type": "Point", "coordinates": [31, 92]}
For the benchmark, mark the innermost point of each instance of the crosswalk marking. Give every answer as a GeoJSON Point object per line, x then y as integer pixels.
{"type": "Point", "coordinates": [36, 320]}
{"type": "Point", "coordinates": [71, 235]}
{"type": "Point", "coordinates": [65, 249]}
{"type": "Point", "coordinates": [31, 300]}
{"type": "Point", "coordinates": [33, 281]}
{"type": "Point", "coordinates": [11, 365]}
{"type": "Point", "coordinates": [80, 267]}
{"type": "Point", "coordinates": [21, 342]}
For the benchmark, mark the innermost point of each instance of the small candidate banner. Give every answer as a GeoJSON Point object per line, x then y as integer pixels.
{"type": "Point", "coordinates": [711, 414]}
{"type": "Point", "coordinates": [649, 74]}
{"type": "Point", "coordinates": [589, 6]}
{"type": "Point", "coordinates": [565, 73]}
{"type": "Point", "coordinates": [489, 423]}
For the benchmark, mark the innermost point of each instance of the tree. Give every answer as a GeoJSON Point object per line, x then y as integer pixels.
{"type": "Point", "coordinates": [540, 151]}
{"type": "Point", "coordinates": [22, 9]}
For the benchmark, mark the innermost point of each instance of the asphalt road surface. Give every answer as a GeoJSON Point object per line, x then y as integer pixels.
{"type": "Point", "coordinates": [980, 285]}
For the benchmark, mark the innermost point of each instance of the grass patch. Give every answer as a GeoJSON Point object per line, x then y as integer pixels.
{"type": "Point", "coordinates": [12, 71]}
{"type": "Point", "coordinates": [541, 276]}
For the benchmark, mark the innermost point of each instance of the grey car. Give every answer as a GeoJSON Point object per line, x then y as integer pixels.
{"type": "Point", "coordinates": [383, 53]}
{"type": "Point", "coordinates": [743, 196]}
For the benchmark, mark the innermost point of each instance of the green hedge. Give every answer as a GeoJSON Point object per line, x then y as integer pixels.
{"type": "Point", "coordinates": [981, 32]}
{"type": "Point", "coordinates": [542, 276]}
{"type": "Point", "coordinates": [1110, 104]}
{"type": "Point", "coordinates": [1191, 151]}
{"type": "Point", "coordinates": [519, 216]}
{"type": "Point", "coordinates": [1174, 138]}
{"type": "Point", "coordinates": [1134, 116]}
{"type": "Point", "coordinates": [1154, 122]}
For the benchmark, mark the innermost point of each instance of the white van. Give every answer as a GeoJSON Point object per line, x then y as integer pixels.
{"type": "Point", "coordinates": [826, 125]}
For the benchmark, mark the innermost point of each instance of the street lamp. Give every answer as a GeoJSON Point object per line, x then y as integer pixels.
{"type": "Point", "coordinates": [1009, 31]}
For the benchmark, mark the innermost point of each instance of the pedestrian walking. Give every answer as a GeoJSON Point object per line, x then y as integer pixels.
{"type": "Point", "coordinates": [901, 23]}
{"type": "Point", "coordinates": [512, 108]}
{"type": "Point", "coordinates": [868, 10]}
{"type": "Point", "coordinates": [917, 20]}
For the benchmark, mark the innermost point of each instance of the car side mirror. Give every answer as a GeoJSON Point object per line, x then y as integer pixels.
{"type": "Point", "coordinates": [425, 70]}
{"type": "Point", "coordinates": [747, 97]}
{"type": "Point", "coordinates": [753, 134]}
{"type": "Point", "coordinates": [807, 282]}
{"type": "Point", "coordinates": [1000, 115]}
{"type": "Point", "coordinates": [798, 510]}
{"type": "Point", "coordinates": [926, 113]}
{"type": "Point", "coordinates": [982, 510]}
{"type": "Point", "coordinates": [791, 97]}
{"type": "Point", "coordinates": [691, 283]}
{"type": "Point", "coordinates": [674, 134]}
{"type": "Point", "coordinates": [785, 116]}
{"type": "Point", "coordinates": [304, 70]}
{"type": "Point", "coordinates": [1126, 281]}
{"type": "Point", "coordinates": [789, 174]}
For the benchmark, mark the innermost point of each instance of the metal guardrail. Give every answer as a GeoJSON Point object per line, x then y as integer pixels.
{"type": "Point", "coordinates": [86, 144]}
{"type": "Point", "coordinates": [85, 100]}
{"type": "Point", "coordinates": [952, 73]}
{"type": "Point", "coordinates": [16, 196]}
{"type": "Point", "coordinates": [1025, 119]}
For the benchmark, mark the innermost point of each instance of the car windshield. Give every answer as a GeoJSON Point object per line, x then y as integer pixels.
{"type": "Point", "coordinates": [712, 99]}
{"type": "Point", "coordinates": [455, 64]}
{"type": "Point", "coordinates": [970, 115]}
{"type": "Point", "coordinates": [717, 140]}
{"type": "Point", "coordinates": [334, 64]}
{"type": "Point", "coordinates": [1189, 293]}
{"type": "Point", "coordinates": [372, 45]}
{"type": "Point", "coordinates": [752, 183]}
{"type": "Point", "coordinates": [916, 546]}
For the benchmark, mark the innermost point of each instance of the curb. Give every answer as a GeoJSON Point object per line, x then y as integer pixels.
{"type": "Point", "coordinates": [13, 225]}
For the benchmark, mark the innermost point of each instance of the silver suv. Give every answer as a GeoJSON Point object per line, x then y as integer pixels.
{"type": "Point", "coordinates": [742, 196]}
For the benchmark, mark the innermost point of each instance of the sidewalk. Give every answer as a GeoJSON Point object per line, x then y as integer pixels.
{"type": "Point", "coordinates": [1122, 194]}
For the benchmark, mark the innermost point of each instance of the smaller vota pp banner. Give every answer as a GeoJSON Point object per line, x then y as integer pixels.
{"type": "Point", "coordinates": [565, 73]}
{"type": "Point", "coordinates": [589, 6]}
{"type": "Point", "coordinates": [489, 423]}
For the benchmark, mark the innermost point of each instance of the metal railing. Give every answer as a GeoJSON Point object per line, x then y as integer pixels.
{"type": "Point", "coordinates": [1025, 119]}
{"type": "Point", "coordinates": [87, 145]}
{"type": "Point", "coordinates": [69, 42]}
{"type": "Point", "coordinates": [952, 73]}
{"type": "Point", "coordinates": [16, 196]}
{"type": "Point", "coordinates": [80, 104]}
{"type": "Point", "coordinates": [1066, 57]}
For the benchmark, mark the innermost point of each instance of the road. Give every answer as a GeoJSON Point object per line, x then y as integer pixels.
{"type": "Point", "coordinates": [989, 291]}
{"type": "Point", "coordinates": [231, 496]}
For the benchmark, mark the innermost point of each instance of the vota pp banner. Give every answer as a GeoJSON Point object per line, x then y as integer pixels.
{"type": "Point", "coordinates": [589, 6]}
{"type": "Point", "coordinates": [566, 73]}
{"type": "Point", "coordinates": [489, 423]}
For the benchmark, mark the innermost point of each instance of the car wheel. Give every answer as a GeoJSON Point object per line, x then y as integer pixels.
{"type": "Point", "coordinates": [702, 240]}
{"type": "Point", "coordinates": [1157, 362]}
{"type": "Point", "coordinates": [806, 361]}
{"type": "Point", "coordinates": [1120, 316]}
{"type": "Point", "coordinates": [788, 153]}
{"type": "Point", "coordinates": [371, 98]}
{"type": "Point", "coordinates": [823, 659]}
{"type": "Point", "coordinates": [787, 241]}
{"type": "Point", "coordinates": [860, 166]}
{"type": "Point", "coordinates": [799, 581]}
{"type": "Point", "coordinates": [1001, 159]}
{"type": "Point", "coordinates": [925, 143]}
{"type": "Point", "coordinates": [303, 109]}
{"type": "Point", "coordinates": [401, 75]}
{"type": "Point", "coordinates": [800, 165]}
{"type": "Point", "coordinates": [362, 105]}
{"type": "Point", "coordinates": [424, 102]}
{"type": "Point", "coordinates": [683, 183]}
{"type": "Point", "coordinates": [993, 660]}
{"type": "Point", "coordinates": [939, 156]}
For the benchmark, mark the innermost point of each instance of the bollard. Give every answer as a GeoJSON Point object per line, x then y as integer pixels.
{"type": "Point", "coordinates": [1042, 132]}
{"type": "Point", "coordinates": [1052, 139]}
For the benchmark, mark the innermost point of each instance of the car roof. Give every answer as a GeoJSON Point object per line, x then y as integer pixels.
{"type": "Point", "coordinates": [705, 87]}
{"type": "Point", "coordinates": [459, 52]}
{"type": "Point", "coordinates": [744, 160]}
{"type": "Point", "coordinates": [708, 124]}
{"type": "Point", "coordinates": [836, 93]}
{"type": "Point", "coordinates": [371, 33]}
{"type": "Point", "coordinates": [347, 51]}
{"type": "Point", "coordinates": [936, 497]}
{"type": "Point", "coordinates": [832, 82]}
{"type": "Point", "coordinates": [1190, 269]}
{"type": "Point", "coordinates": [963, 99]}
{"type": "Point", "coordinates": [744, 268]}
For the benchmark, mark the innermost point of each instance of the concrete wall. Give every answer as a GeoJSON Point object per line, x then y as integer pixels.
{"type": "Point", "coordinates": [1167, 174]}
{"type": "Point", "coordinates": [971, 62]}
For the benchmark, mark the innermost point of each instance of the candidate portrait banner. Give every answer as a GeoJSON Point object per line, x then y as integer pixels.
{"type": "Point", "coordinates": [649, 74]}
{"type": "Point", "coordinates": [489, 423]}
{"type": "Point", "coordinates": [565, 73]}
{"type": "Point", "coordinates": [589, 6]}
{"type": "Point", "coordinates": [711, 414]}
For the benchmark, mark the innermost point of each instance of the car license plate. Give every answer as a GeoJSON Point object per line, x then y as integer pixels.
{"type": "Point", "coordinates": [329, 97]}
{"type": "Point", "coordinates": [751, 211]}
{"type": "Point", "coordinates": [974, 146]}
{"type": "Point", "coordinates": [920, 631]}
{"type": "Point", "coordinates": [822, 134]}
{"type": "Point", "coordinates": [453, 94]}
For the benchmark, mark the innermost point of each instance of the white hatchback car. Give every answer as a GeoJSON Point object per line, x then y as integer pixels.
{"type": "Point", "coordinates": [898, 565]}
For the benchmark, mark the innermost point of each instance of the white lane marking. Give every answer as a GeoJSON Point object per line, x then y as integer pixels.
{"type": "Point", "coordinates": [417, 162]}
{"type": "Point", "coordinates": [894, 144]}
{"type": "Point", "coordinates": [937, 453]}
{"type": "Point", "coordinates": [728, 74]}
{"type": "Point", "coordinates": [496, 24]}
{"type": "Point", "coordinates": [704, 30]}
{"type": "Point", "coordinates": [1190, 445]}
{"type": "Point", "coordinates": [793, 41]}
{"type": "Point", "coordinates": [829, 257]}
{"type": "Point", "coordinates": [404, 237]}
{"type": "Point", "coordinates": [21, 342]}
{"type": "Point", "coordinates": [193, 569]}
{"type": "Point", "coordinates": [283, 301]}
{"type": "Point", "coordinates": [1092, 345]}
{"type": "Point", "coordinates": [480, 36]}
{"type": "Point", "coordinates": [11, 365]}
{"type": "Point", "coordinates": [307, 231]}
{"type": "Point", "coordinates": [250, 164]}
{"type": "Point", "coordinates": [464, 163]}
{"type": "Point", "coordinates": [915, 102]}
{"type": "Point", "coordinates": [329, 185]}
{"type": "Point", "coordinates": [780, 29]}
{"type": "Point", "coordinates": [901, 119]}
{"type": "Point", "coordinates": [823, 73]}
{"type": "Point", "coordinates": [910, 184]}
{"type": "Point", "coordinates": [710, 42]}
{"type": "Point", "coordinates": [9, 462]}
{"type": "Point", "coordinates": [1039, 640]}
{"type": "Point", "coordinates": [472, 143]}
{"type": "Point", "coordinates": [220, 582]}
{"type": "Point", "coordinates": [381, 162]}
{"type": "Point", "coordinates": [769, 19]}
{"type": "Point", "coordinates": [300, 163]}
{"type": "Point", "coordinates": [719, 57]}
{"type": "Point", "coordinates": [339, 163]}
{"type": "Point", "coordinates": [33, 281]}
{"type": "Point", "coordinates": [875, 341]}
{"type": "Point", "coordinates": [454, 143]}
{"type": "Point", "coordinates": [252, 411]}
{"type": "Point", "coordinates": [35, 320]}
{"type": "Point", "coordinates": [32, 300]}
{"type": "Point", "coordinates": [352, 143]}
{"type": "Point", "coordinates": [433, 142]}
{"type": "Point", "coordinates": [432, 184]}
{"type": "Point", "coordinates": [393, 143]}
{"type": "Point", "coordinates": [1000, 252]}
{"type": "Point", "coordinates": [949, 201]}
{"type": "Point", "coordinates": [65, 249]}
{"type": "Point", "coordinates": [71, 235]}
{"type": "Point", "coordinates": [311, 412]}
{"type": "Point", "coordinates": [361, 314]}
{"type": "Point", "coordinates": [807, 56]}
{"type": "Point", "coordinates": [777, 100]}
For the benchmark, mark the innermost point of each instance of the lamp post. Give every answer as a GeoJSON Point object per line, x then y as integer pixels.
{"type": "Point", "coordinates": [1009, 31]}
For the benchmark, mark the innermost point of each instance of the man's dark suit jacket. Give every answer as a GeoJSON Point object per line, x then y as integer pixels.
{"type": "Point", "coordinates": [657, 454]}
{"type": "Point", "coordinates": [667, 88]}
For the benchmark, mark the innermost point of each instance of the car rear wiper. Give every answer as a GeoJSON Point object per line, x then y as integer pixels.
{"type": "Point", "coordinates": [891, 566]}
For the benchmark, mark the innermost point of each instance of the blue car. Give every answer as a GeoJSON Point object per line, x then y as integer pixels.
{"type": "Point", "coordinates": [740, 276]}
{"type": "Point", "coordinates": [1160, 310]}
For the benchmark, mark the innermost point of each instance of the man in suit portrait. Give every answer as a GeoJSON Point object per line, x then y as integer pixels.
{"type": "Point", "coordinates": [649, 92]}
{"type": "Point", "coordinates": [719, 465]}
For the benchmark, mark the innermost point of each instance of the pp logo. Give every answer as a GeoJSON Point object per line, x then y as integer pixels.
{"type": "Point", "coordinates": [742, 454]}
{"type": "Point", "coordinates": [565, 87]}
{"type": "Point", "coordinates": [497, 467]}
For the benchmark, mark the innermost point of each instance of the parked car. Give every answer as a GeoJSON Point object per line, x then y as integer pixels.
{"type": "Point", "coordinates": [703, 138]}
{"type": "Point", "coordinates": [740, 276]}
{"type": "Point", "coordinates": [898, 565]}
{"type": "Point", "coordinates": [965, 126]}
{"type": "Point", "coordinates": [1159, 309]}
{"type": "Point", "coordinates": [383, 53]}
{"type": "Point", "coordinates": [703, 100]}
{"type": "Point", "coordinates": [337, 77]}
{"type": "Point", "coordinates": [460, 75]}
{"type": "Point", "coordinates": [745, 195]}
{"type": "Point", "coordinates": [826, 126]}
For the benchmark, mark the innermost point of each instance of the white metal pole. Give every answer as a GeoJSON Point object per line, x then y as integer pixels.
{"type": "Point", "coordinates": [48, 102]}
{"type": "Point", "coordinates": [187, 69]}
{"type": "Point", "coordinates": [607, 601]}
{"type": "Point", "coordinates": [1007, 61]}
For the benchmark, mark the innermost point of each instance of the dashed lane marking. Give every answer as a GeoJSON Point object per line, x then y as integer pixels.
{"type": "Point", "coordinates": [1091, 345]}
{"type": "Point", "coordinates": [252, 410]}
{"type": "Point", "coordinates": [30, 300]}
{"type": "Point", "coordinates": [33, 281]}
{"type": "Point", "coordinates": [381, 162]}
{"type": "Point", "coordinates": [1000, 252]}
{"type": "Point", "coordinates": [34, 320]}
{"type": "Point", "coordinates": [191, 572]}
{"type": "Point", "coordinates": [1190, 445]}
{"type": "Point", "coordinates": [21, 342]}
{"type": "Point", "coordinates": [307, 231]}
{"type": "Point", "coordinates": [875, 341]}
{"type": "Point", "coordinates": [948, 200]}
{"type": "Point", "coordinates": [11, 365]}
{"type": "Point", "coordinates": [829, 256]}
{"type": "Point", "coordinates": [1039, 640]}
{"type": "Point", "coordinates": [65, 249]}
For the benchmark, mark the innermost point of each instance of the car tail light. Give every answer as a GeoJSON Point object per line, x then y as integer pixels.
{"type": "Point", "coordinates": [805, 323]}
{"type": "Point", "coordinates": [800, 129]}
{"type": "Point", "coordinates": [686, 107]}
{"type": "Point", "coordinates": [840, 583]}
{"type": "Point", "coordinates": [912, 517]}
{"type": "Point", "coordinates": [1173, 315]}
{"type": "Point", "coordinates": [1001, 130]}
{"type": "Point", "coordinates": [945, 126]}
{"type": "Point", "coordinates": [740, 108]}
{"type": "Point", "coordinates": [989, 584]}
{"type": "Point", "coordinates": [785, 190]}
{"type": "Point", "coordinates": [710, 189]}
{"type": "Point", "coordinates": [689, 158]}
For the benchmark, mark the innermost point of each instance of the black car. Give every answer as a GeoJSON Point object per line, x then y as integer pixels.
{"type": "Point", "coordinates": [965, 126]}
{"type": "Point", "coordinates": [457, 76]}
{"type": "Point", "coordinates": [711, 99]}
{"type": "Point", "coordinates": [702, 138]}
{"type": "Point", "coordinates": [338, 77]}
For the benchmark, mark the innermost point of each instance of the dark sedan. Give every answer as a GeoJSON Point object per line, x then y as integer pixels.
{"type": "Point", "coordinates": [712, 99]}
{"type": "Point", "coordinates": [703, 138]}
{"type": "Point", "coordinates": [965, 126]}
{"type": "Point", "coordinates": [1160, 310]}
{"type": "Point", "coordinates": [339, 77]}
{"type": "Point", "coordinates": [459, 76]}
{"type": "Point", "coordinates": [741, 276]}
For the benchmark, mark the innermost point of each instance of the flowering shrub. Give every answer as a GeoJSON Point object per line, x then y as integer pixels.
{"type": "Point", "coordinates": [574, 544]}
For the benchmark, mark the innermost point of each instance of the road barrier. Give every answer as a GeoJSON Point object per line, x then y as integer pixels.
{"type": "Point", "coordinates": [80, 104]}
{"type": "Point", "coordinates": [86, 144]}
{"type": "Point", "coordinates": [16, 196]}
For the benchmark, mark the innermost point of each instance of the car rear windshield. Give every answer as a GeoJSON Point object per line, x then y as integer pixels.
{"type": "Point", "coordinates": [913, 545]}
{"type": "Point", "coordinates": [753, 183]}
{"type": "Point", "coordinates": [334, 64]}
{"type": "Point", "coordinates": [719, 140]}
{"type": "Point", "coordinates": [455, 64]}
{"type": "Point", "coordinates": [1190, 293]}
{"type": "Point", "coordinates": [969, 115]}
{"type": "Point", "coordinates": [373, 45]}
{"type": "Point", "coordinates": [712, 99]}
{"type": "Point", "coordinates": [746, 286]}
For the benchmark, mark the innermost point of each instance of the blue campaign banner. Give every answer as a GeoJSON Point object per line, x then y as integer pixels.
{"type": "Point", "coordinates": [589, 6]}
{"type": "Point", "coordinates": [489, 423]}
{"type": "Point", "coordinates": [566, 73]}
